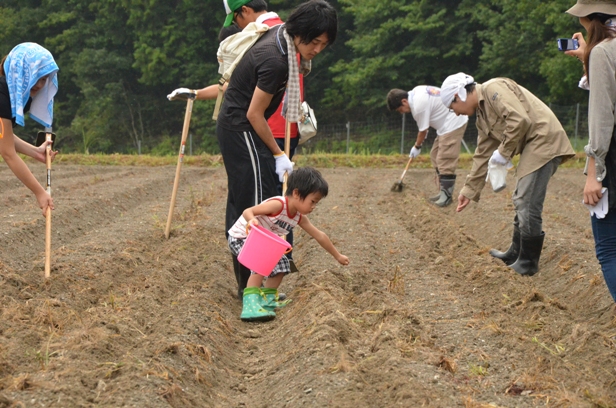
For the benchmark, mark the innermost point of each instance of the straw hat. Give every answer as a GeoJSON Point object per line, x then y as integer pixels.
{"type": "Point", "coordinates": [584, 8]}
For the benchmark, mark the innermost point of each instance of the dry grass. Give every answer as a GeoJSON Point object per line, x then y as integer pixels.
{"type": "Point", "coordinates": [447, 364]}
{"type": "Point", "coordinates": [396, 283]}
{"type": "Point", "coordinates": [343, 365]}
{"type": "Point", "coordinates": [318, 159]}
{"type": "Point", "coordinates": [469, 402]}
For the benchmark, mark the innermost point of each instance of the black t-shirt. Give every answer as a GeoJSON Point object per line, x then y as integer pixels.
{"type": "Point", "coordinates": [5, 101]}
{"type": "Point", "coordinates": [265, 66]}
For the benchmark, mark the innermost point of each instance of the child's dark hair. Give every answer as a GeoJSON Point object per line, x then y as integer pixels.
{"type": "Point", "coordinates": [307, 180]}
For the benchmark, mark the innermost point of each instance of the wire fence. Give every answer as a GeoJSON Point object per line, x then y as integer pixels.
{"type": "Point", "coordinates": [397, 134]}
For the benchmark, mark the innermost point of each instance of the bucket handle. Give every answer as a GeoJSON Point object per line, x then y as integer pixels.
{"type": "Point", "coordinates": [286, 252]}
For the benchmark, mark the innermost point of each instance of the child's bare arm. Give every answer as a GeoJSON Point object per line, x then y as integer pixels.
{"type": "Point", "coordinates": [265, 208]}
{"type": "Point", "coordinates": [323, 240]}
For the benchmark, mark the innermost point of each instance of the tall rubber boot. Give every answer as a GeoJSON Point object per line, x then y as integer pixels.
{"type": "Point", "coordinates": [448, 181]}
{"type": "Point", "coordinates": [511, 255]}
{"type": "Point", "coordinates": [435, 198]}
{"type": "Point", "coordinates": [253, 310]}
{"type": "Point", "coordinates": [530, 252]}
{"type": "Point", "coordinates": [241, 276]}
{"type": "Point", "coordinates": [272, 300]}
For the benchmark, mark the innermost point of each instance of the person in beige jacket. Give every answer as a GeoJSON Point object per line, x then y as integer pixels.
{"type": "Point", "coordinates": [511, 121]}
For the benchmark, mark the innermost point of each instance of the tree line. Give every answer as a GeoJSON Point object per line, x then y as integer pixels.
{"type": "Point", "coordinates": [119, 59]}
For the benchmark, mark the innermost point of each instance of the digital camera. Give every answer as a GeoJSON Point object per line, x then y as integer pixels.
{"type": "Point", "coordinates": [567, 44]}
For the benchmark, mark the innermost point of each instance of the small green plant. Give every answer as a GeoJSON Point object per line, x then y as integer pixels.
{"type": "Point", "coordinates": [477, 370]}
{"type": "Point", "coordinates": [43, 356]}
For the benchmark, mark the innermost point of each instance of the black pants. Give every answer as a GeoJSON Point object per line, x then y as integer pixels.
{"type": "Point", "coordinates": [251, 172]}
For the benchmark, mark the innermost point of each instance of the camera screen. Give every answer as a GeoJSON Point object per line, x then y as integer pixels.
{"type": "Point", "coordinates": [566, 44]}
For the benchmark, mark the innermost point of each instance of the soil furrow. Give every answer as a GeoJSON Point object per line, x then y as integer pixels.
{"type": "Point", "coordinates": [423, 316]}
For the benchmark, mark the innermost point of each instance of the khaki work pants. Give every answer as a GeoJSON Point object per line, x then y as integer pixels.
{"type": "Point", "coordinates": [446, 151]}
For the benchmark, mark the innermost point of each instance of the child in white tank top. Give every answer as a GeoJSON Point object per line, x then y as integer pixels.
{"type": "Point", "coordinates": [306, 187]}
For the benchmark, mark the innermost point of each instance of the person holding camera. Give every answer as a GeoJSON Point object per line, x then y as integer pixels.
{"type": "Point", "coordinates": [599, 57]}
{"type": "Point", "coordinates": [424, 103]}
{"type": "Point", "coordinates": [511, 121]}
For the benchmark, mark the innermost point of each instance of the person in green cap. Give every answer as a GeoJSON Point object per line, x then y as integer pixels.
{"type": "Point", "coordinates": [243, 12]}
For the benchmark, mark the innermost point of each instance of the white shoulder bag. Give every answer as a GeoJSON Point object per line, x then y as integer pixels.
{"type": "Point", "coordinates": [307, 124]}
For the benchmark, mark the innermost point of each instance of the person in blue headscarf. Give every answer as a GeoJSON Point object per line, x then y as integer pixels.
{"type": "Point", "coordinates": [28, 83]}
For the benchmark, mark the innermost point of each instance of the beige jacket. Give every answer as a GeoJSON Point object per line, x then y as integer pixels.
{"type": "Point", "coordinates": [514, 121]}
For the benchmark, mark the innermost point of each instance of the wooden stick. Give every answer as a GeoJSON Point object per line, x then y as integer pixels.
{"type": "Point", "coordinates": [405, 169]}
{"type": "Point", "coordinates": [287, 151]}
{"type": "Point", "coordinates": [48, 213]}
{"type": "Point", "coordinates": [176, 182]}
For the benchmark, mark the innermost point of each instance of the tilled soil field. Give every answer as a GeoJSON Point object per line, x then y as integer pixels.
{"type": "Point", "coordinates": [423, 316]}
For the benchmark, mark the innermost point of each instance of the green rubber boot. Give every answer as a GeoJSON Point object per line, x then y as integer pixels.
{"type": "Point", "coordinates": [253, 309]}
{"type": "Point", "coordinates": [271, 299]}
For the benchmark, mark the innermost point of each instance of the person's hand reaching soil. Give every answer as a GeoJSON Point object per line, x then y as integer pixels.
{"type": "Point", "coordinates": [462, 203]}
{"type": "Point", "coordinates": [342, 259]}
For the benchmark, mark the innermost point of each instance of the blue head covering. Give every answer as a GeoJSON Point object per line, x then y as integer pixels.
{"type": "Point", "coordinates": [24, 66]}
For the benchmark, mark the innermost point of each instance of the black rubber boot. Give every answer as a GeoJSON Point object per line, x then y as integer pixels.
{"type": "Point", "coordinates": [448, 181]}
{"type": "Point", "coordinates": [241, 276]}
{"type": "Point", "coordinates": [511, 255]}
{"type": "Point", "coordinates": [530, 252]}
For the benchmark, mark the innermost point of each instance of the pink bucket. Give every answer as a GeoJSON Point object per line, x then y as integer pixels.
{"type": "Point", "coordinates": [262, 250]}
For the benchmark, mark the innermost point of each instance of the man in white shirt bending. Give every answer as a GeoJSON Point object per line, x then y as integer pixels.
{"type": "Point", "coordinates": [424, 103]}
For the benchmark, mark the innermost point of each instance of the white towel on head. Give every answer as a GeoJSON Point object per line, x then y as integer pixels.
{"type": "Point", "coordinates": [454, 84]}
{"type": "Point", "coordinates": [23, 67]}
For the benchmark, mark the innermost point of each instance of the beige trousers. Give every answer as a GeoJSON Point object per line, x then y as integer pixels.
{"type": "Point", "coordinates": [446, 151]}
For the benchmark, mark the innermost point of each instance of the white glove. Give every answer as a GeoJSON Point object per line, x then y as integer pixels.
{"type": "Point", "coordinates": [600, 209]}
{"type": "Point", "coordinates": [414, 152]}
{"type": "Point", "coordinates": [182, 94]}
{"type": "Point", "coordinates": [283, 165]}
{"type": "Point", "coordinates": [498, 158]}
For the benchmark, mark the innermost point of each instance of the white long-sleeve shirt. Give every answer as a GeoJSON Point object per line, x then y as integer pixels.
{"type": "Point", "coordinates": [601, 104]}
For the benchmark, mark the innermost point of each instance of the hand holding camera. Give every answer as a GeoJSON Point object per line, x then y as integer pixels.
{"type": "Point", "coordinates": [575, 46]}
